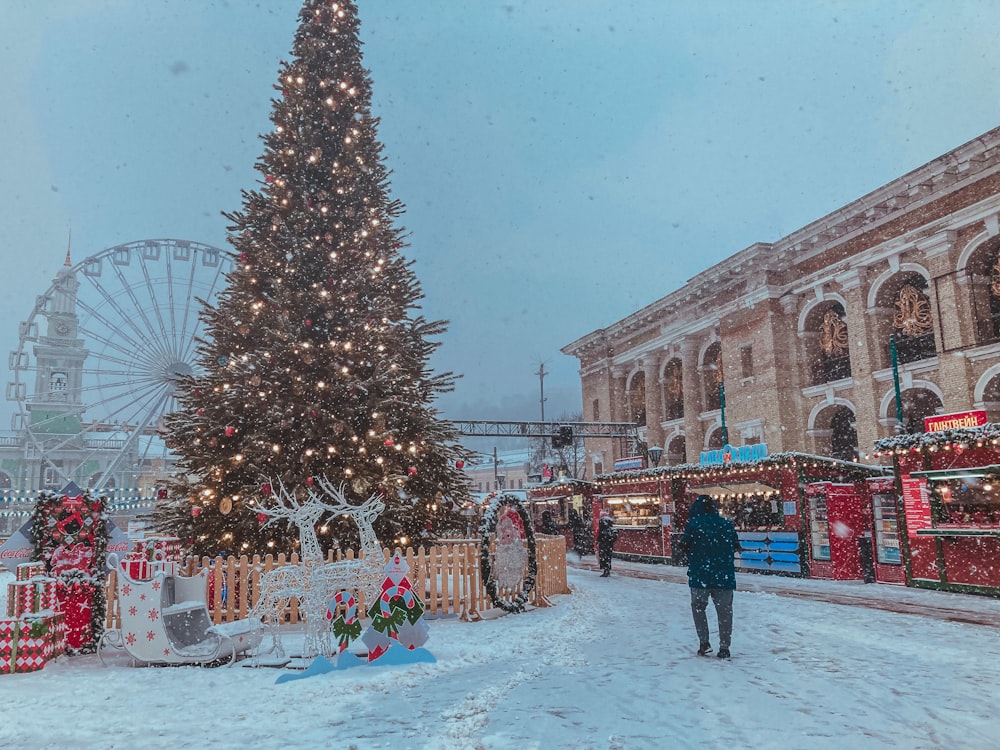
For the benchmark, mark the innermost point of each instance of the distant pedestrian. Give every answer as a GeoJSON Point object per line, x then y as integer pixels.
{"type": "Point", "coordinates": [606, 536]}
{"type": "Point", "coordinates": [548, 525]}
{"type": "Point", "coordinates": [583, 542]}
{"type": "Point", "coordinates": [711, 543]}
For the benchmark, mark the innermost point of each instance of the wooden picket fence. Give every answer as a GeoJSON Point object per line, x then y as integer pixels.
{"type": "Point", "coordinates": [446, 575]}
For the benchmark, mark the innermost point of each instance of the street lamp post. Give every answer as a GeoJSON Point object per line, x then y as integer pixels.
{"type": "Point", "coordinates": [654, 453]}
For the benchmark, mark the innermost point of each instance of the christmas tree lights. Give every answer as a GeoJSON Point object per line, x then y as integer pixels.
{"type": "Point", "coordinates": [315, 361]}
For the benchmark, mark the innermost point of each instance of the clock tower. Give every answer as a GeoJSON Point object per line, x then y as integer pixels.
{"type": "Point", "coordinates": [56, 406]}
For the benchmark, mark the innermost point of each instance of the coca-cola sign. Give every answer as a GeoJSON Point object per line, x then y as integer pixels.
{"type": "Point", "coordinates": [19, 549]}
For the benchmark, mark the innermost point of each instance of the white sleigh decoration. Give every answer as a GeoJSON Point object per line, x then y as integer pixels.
{"type": "Point", "coordinates": [165, 620]}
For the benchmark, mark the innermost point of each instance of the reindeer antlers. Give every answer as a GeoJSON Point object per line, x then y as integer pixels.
{"type": "Point", "coordinates": [340, 502]}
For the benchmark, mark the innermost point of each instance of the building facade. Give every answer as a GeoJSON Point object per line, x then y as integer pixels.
{"type": "Point", "coordinates": [799, 343]}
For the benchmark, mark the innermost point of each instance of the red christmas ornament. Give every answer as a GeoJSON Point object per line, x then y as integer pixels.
{"type": "Point", "coordinates": [261, 517]}
{"type": "Point", "coordinates": [200, 412]}
{"type": "Point", "coordinates": [243, 257]}
{"type": "Point", "coordinates": [196, 511]}
{"type": "Point", "coordinates": [265, 488]}
{"type": "Point", "coordinates": [460, 464]}
{"type": "Point", "coordinates": [313, 413]}
{"type": "Point", "coordinates": [389, 442]}
{"type": "Point", "coordinates": [308, 322]}
{"type": "Point", "coordinates": [230, 431]}
{"type": "Point", "coordinates": [412, 471]}
{"type": "Point", "coordinates": [197, 392]}
{"type": "Point", "coordinates": [269, 178]}
{"type": "Point", "coordinates": [309, 481]}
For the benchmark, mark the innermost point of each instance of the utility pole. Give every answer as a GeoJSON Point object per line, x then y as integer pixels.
{"type": "Point", "coordinates": [541, 387]}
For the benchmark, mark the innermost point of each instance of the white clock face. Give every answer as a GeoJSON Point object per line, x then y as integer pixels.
{"type": "Point", "coordinates": [62, 329]}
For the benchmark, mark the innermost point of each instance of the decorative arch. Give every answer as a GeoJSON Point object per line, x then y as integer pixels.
{"type": "Point", "coordinates": [713, 437]}
{"type": "Point", "coordinates": [901, 307]}
{"type": "Point", "coordinates": [675, 449]}
{"type": "Point", "coordinates": [980, 391]}
{"type": "Point", "coordinates": [884, 277]}
{"type": "Point", "coordinates": [980, 266]}
{"type": "Point", "coordinates": [972, 246]}
{"type": "Point", "coordinates": [814, 302]}
{"type": "Point", "coordinates": [824, 335]}
{"type": "Point", "coordinates": [922, 399]}
{"type": "Point", "coordinates": [635, 396]}
{"type": "Point", "coordinates": [987, 392]}
{"type": "Point", "coordinates": [833, 425]}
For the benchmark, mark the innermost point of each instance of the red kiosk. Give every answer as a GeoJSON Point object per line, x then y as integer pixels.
{"type": "Point", "coordinates": [948, 490]}
{"type": "Point", "coordinates": [557, 499]}
{"type": "Point", "coordinates": [796, 514]}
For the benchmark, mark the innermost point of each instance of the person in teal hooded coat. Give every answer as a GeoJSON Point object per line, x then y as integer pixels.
{"type": "Point", "coordinates": [711, 543]}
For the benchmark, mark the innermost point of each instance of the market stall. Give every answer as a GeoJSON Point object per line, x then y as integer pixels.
{"type": "Point", "coordinates": [550, 505]}
{"type": "Point", "coordinates": [949, 507]}
{"type": "Point", "coordinates": [642, 508]}
{"type": "Point", "coordinates": [795, 513]}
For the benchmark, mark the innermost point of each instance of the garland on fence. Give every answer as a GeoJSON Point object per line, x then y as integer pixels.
{"type": "Point", "coordinates": [509, 557]}
{"type": "Point", "coordinates": [70, 535]}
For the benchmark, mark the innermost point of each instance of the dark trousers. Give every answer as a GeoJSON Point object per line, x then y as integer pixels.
{"type": "Point", "coordinates": [723, 600]}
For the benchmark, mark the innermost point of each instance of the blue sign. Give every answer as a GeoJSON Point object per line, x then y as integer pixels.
{"type": "Point", "coordinates": [731, 455]}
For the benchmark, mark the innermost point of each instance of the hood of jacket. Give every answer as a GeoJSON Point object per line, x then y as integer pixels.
{"type": "Point", "coordinates": [702, 506]}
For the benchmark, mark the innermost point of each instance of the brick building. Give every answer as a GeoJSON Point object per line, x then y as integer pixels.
{"type": "Point", "coordinates": [798, 331]}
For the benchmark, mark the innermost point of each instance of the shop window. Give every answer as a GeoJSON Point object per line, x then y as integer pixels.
{"type": "Point", "coordinates": [983, 272]}
{"type": "Point", "coordinates": [754, 513]}
{"type": "Point", "coordinates": [886, 528]}
{"type": "Point", "coordinates": [971, 501]}
{"type": "Point", "coordinates": [819, 528]}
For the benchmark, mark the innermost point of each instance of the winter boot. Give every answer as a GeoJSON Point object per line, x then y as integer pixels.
{"type": "Point", "coordinates": [723, 653]}
{"type": "Point", "coordinates": [705, 649]}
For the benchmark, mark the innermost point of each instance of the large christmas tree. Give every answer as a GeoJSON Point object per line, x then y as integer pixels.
{"type": "Point", "coordinates": [315, 361]}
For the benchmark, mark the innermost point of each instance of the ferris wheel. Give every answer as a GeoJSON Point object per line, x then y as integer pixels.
{"type": "Point", "coordinates": [95, 369]}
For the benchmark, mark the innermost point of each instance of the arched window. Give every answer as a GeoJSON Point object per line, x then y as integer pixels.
{"type": "Point", "coordinates": [917, 404]}
{"type": "Point", "coordinates": [637, 399]}
{"type": "Point", "coordinates": [983, 270]}
{"type": "Point", "coordinates": [673, 390]}
{"type": "Point", "coordinates": [714, 442]}
{"type": "Point", "coordinates": [676, 450]}
{"type": "Point", "coordinates": [827, 345]}
{"type": "Point", "coordinates": [907, 315]}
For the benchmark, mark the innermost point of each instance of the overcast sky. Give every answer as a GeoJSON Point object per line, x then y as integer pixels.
{"type": "Point", "coordinates": [563, 162]}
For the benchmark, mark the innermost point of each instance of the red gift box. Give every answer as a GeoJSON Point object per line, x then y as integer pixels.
{"type": "Point", "coordinates": [157, 548]}
{"type": "Point", "coordinates": [25, 645]}
{"type": "Point", "coordinates": [137, 568]}
{"type": "Point", "coordinates": [31, 597]}
{"type": "Point", "coordinates": [27, 571]}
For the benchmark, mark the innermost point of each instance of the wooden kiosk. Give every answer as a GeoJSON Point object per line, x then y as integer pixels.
{"type": "Point", "coordinates": [948, 490]}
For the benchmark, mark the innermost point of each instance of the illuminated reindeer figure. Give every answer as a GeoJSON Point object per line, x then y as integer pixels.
{"type": "Point", "coordinates": [312, 582]}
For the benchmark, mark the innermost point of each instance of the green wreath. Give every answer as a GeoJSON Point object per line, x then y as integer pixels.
{"type": "Point", "coordinates": [487, 530]}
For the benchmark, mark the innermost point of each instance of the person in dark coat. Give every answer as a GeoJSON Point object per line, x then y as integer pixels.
{"type": "Point", "coordinates": [548, 525]}
{"type": "Point", "coordinates": [711, 543]}
{"type": "Point", "coordinates": [606, 536]}
{"type": "Point", "coordinates": [583, 542]}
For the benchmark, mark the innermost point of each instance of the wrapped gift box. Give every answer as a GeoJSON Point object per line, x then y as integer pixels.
{"type": "Point", "coordinates": [158, 548]}
{"type": "Point", "coordinates": [27, 571]}
{"type": "Point", "coordinates": [32, 596]}
{"type": "Point", "coordinates": [25, 645]}
{"type": "Point", "coordinates": [137, 567]}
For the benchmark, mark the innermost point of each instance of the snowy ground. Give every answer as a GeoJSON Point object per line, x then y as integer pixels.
{"type": "Point", "coordinates": [610, 666]}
